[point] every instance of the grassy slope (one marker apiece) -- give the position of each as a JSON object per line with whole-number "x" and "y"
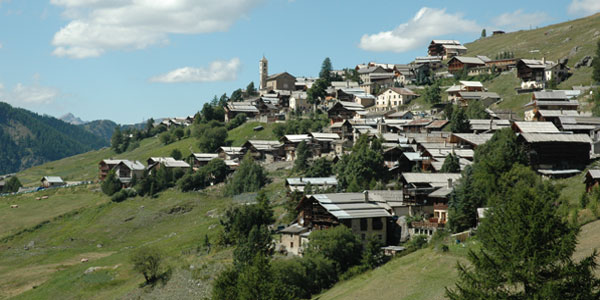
{"x": 71, "y": 223}
{"x": 426, "y": 273}
{"x": 85, "y": 166}
{"x": 553, "y": 42}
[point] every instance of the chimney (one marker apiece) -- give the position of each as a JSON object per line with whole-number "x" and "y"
{"x": 366, "y": 193}
{"x": 543, "y": 60}
{"x": 449, "y": 183}
{"x": 300, "y": 179}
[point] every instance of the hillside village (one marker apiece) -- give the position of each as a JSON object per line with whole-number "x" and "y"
{"x": 424, "y": 123}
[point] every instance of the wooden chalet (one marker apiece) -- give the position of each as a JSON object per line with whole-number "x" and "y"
{"x": 459, "y": 63}
{"x": 233, "y": 109}
{"x": 357, "y": 211}
{"x": 556, "y": 151}
{"x": 231, "y": 153}
{"x": 446, "y": 48}
{"x": 265, "y": 150}
{"x": 51, "y": 181}
{"x": 290, "y": 144}
{"x": 417, "y": 186}
{"x": 488, "y": 126}
{"x": 343, "y": 129}
{"x": 155, "y": 163}
{"x": 324, "y": 142}
{"x": 198, "y": 160}
{"x": 343, "y": 110}
{"x": 592, "y": 179}
{"x": 317, "y": 183}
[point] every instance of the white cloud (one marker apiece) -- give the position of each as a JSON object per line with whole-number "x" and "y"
{"x": 584, "y": 7}
{"x": 219, "y": 70}
{"x": 417, "y": 32}
{"x": 98, "y": 26}
{"x": 520, "y": 20}
{"x": 26, "y": 96}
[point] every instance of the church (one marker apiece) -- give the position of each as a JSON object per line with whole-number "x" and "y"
{"x": 277, "y": 82}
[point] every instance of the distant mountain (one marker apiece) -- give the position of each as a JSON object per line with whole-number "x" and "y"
{"x": 71, "y": 119}
{"x": 101, "y": 128}
{"x": 28, "y": 139}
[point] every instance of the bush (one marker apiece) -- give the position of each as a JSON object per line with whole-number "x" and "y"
{"x": 212, "y": 138}
{"x": 111, "y": 184}
{"x": 338, "y": 244}
{"x": 12, "y": 185}
{"x": 165, "y": 138}
{"x": 416, "y": 242}
{"x": 147, "y": 261}
{"x": 176, "y": 154}
{"x": 249, "y": 177}
{"x": 237, "y": 121}
{"x": 122, "y": 195}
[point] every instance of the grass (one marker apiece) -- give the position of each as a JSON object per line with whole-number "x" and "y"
{"x": 53, "y": 264}
{"x": 240, "y": 135}
{"x": 424, "y": 274}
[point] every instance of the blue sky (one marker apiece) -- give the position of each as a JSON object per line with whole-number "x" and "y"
{"x": 128, "y": 60}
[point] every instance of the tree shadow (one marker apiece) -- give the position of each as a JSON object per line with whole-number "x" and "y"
{"x": 160, "y": 280}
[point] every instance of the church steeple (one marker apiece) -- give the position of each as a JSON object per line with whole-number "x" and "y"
{"x": 264, "y": 72}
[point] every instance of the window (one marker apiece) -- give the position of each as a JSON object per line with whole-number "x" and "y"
{"x": 347, "y": 223}
{"x": 380, "y": 237}
{"x": 291, "y": 244}
{"x": 377, "y": 224}
{"x": 363, "y": 224}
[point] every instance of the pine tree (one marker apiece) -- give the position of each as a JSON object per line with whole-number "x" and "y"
{"x": 250, "y": 89}
{"x": 526, "y": 248}
{"x": 459, "y": 123}
{"x": 451, "y": 164}
{"x": 302, "y": 154}
{"x": 116, "y": 140}
{"x": 326, "y": 69}
{"x": 483, "y": 33}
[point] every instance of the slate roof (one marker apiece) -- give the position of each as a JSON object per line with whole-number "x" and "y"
{"x": 536, "y": 127}
{"x": 562, "y": 138}
{"x": 312, "y": 180}
{"x": 550, "y": 95}
{"x": 53, "y": 179}
{"x": 430, "y": 177}
{"x": 473, "y": 138}
{"x": 350, "y": 206}
{"x": 469, "y": 60}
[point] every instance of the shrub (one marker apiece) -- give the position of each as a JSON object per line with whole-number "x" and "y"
{"x": 111, "y": 184}
{"x": 147, "y": 261}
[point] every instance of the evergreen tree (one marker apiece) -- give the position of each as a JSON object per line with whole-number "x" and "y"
{"x": 302, "y": 154}
{"x": 338, "y": 244}
{"x": 212, "y": 138}
{"x": 364, "y": 164}
{"x": 250, "y": 89}
{"x": 526, "y": 248}
{"x": 318, "y": 91}
{"x": 596, "y": 64}
{"x": 459, "y": 123}
{"x": 475, "y": 110}
{"x": 433, "y": 94}
{"x": 11, "y": 185}
{"x": 149, "y": 126}
{"x": 176, "y": 154}
{"x": 237, "y": 95}
{"x": 116, "y": 140}
{"x": 111, "y": 184}
{"x": 451, "y": 164}
{"x": 320, "y": 167}
{"x": 249, "y": 177}
{"x": 326, "y": 69}
{"x": 483, "y": 33}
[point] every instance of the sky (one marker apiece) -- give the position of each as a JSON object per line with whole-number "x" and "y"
{"x": 129, "y": 60}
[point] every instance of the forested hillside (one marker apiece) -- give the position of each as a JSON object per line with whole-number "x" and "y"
{"x": 29, "y": 139}
{"x": 101, "y": 128}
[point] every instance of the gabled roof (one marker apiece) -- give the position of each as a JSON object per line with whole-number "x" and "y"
{"x": 454, "y": 47}
{"x": 402, "y": 91}
{"x": 205, "y": 156}
{"x": 536, "y": 127}
{"x": 231, "y": 150}
{"x": 561, "y": 138}
{"x": 471, "y": 83}
{"x": 312, "y": 180}
{"x": 349, "y": 105}
{"x": 52, "y": 179}
{"x": 478, "y": 95}
{"x": 446, "y": 42}
{"x": 170, "y": 162}
{"x": 469, "y": 60}
{"x": 264, "y": 145}
{"x": 593, "y": 173}
{"x": 350, "y": 206}
{"x": 473, "y": 138}
{"x": 296, "y": 138}
{"x": 274, "y": 76}
{"x": 242, "y": 107}
{"x": 133, "y": 165}
{"x": 558, "y": 113}
{"x": 325, "y": 136}
{"x": 437, "y": 124}
{"x": 431, "y": 178}
{"x": 550, "y": 95}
